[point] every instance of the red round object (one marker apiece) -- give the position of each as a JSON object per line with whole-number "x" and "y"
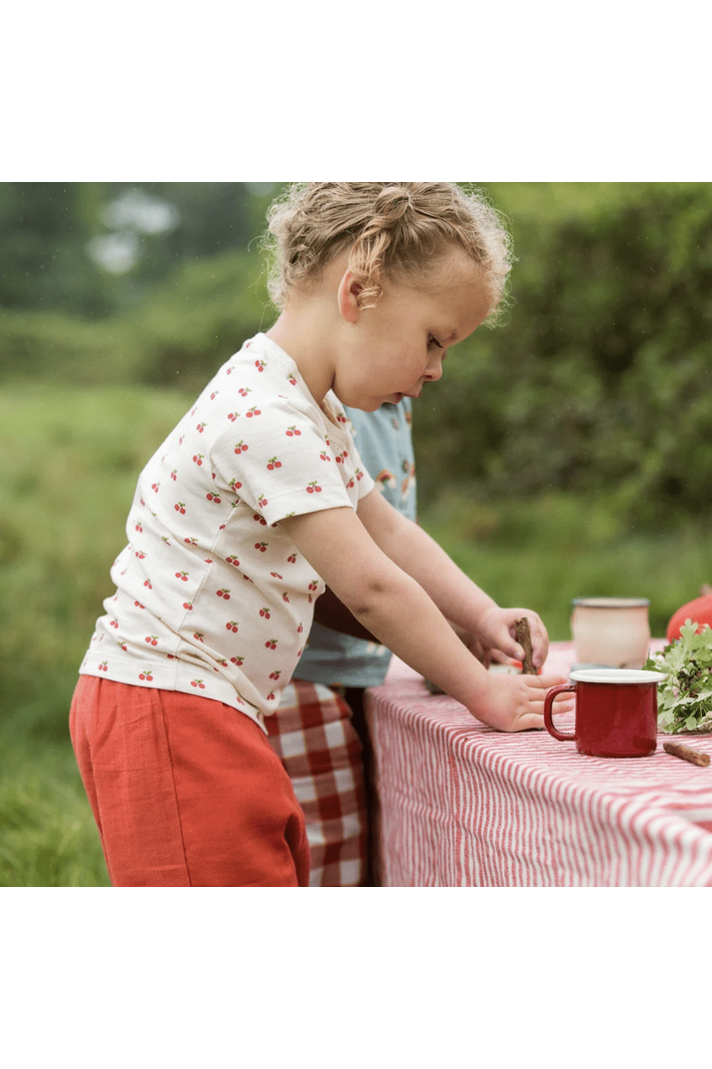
{"x": 699, "y": 611}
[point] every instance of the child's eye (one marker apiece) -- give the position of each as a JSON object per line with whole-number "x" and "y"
{"x": 432, "y": 340}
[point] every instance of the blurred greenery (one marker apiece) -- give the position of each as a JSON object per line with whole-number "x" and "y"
{"x": 564, "y": 453}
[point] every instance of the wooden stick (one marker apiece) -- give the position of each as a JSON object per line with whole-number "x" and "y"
{"x": 524, "y": 639}
{"x": 686, "y": 753}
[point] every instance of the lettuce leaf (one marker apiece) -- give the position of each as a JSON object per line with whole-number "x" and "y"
{"x": 685, "y": 695}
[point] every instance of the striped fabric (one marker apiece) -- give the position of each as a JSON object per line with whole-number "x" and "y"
{"x": 311, "y": 733}
{"x": 464, "y": 805}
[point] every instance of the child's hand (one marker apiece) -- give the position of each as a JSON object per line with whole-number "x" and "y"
{"x": 516, "y": 703}
{"x": 498, "y": 632}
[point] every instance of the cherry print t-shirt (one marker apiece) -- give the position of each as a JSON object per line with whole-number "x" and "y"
{"x": 212, "y": 596}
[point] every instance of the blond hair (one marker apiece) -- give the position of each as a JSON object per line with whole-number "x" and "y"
{"x": 394, "y": 230}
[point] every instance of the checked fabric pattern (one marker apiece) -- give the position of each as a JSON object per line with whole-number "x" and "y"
{"x": 311, "y": 733}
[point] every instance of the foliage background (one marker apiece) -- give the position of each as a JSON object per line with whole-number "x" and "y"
{"x": 566, "y": 452}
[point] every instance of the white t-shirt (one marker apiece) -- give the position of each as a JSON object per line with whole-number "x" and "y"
{"x": 212, "y": 595}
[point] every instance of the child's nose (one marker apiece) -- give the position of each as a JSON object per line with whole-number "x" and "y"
{"x": 434, "y": 370}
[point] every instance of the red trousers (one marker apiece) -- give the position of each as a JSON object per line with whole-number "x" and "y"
{"x": 186, "y": 791}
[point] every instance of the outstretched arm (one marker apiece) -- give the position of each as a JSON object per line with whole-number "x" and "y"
{"x": 393, "y": 606}
{"x": 457, "y": 597}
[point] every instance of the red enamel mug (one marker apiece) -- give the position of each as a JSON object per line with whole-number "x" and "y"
{"x": 616, "y": 711}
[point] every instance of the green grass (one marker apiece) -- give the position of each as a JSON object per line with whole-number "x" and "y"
{"x": 49, "y": 838}
{"x": 69, "y": 459}
{"x": 68, "y": 465}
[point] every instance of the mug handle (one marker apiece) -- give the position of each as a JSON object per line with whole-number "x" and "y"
{"x": 548, "y": 719}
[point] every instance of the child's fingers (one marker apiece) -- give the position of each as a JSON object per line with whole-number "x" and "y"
{"x": 539, "y": 685}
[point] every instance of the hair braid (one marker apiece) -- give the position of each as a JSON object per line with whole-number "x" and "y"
{"x": 391, "y": 230}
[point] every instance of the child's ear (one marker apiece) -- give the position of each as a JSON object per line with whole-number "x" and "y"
{"x": 348, "y": 297}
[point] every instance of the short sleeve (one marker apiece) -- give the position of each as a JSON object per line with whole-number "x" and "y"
{"x": 281, "y": 462}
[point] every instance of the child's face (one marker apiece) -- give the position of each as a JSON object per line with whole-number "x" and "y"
{"x": 392, "y": 350}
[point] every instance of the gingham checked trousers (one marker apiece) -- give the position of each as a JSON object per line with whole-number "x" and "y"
{"x": 313, "y": 736}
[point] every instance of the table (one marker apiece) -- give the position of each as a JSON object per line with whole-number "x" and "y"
{"x": 462, "y": 805}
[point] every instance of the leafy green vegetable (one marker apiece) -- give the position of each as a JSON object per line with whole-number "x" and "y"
{"x": 685, "y": 696}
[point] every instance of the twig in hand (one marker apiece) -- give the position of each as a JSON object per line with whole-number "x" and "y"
{"x": 686, "y": 753}
{"x": 524, "y": 639}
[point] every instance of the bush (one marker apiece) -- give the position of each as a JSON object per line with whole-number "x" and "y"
{"x": 178, "y": 336}
{"x": 602, "y": 377}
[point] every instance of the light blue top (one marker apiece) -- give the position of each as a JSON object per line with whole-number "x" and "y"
{"x": 383, "y": 439}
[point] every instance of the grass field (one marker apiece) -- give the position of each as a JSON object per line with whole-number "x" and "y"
{"x": 69, "y": 462}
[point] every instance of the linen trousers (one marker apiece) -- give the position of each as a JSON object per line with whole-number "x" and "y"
{"x": 185, "y": 791}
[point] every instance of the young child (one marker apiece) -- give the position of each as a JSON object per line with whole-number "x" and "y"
{"x": 257, "y": 501}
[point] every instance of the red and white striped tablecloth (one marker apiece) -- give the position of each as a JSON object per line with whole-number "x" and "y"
{"x": 464, "y": 805}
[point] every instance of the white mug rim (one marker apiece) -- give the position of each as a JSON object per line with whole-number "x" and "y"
{"x": 616, "y": 675}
